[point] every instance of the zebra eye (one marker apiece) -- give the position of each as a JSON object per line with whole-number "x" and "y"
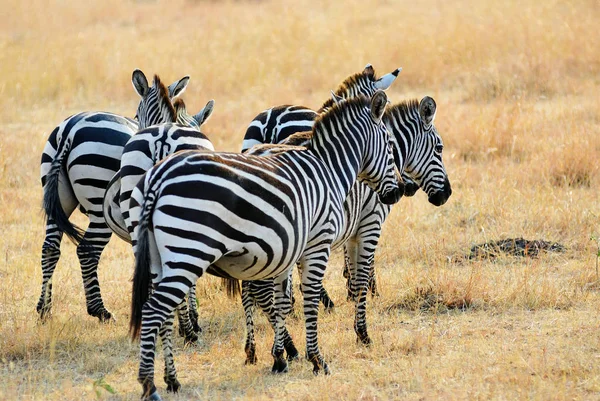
{"x": 439, "y": 149}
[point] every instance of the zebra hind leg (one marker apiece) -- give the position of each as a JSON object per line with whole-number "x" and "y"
{"x": 186, "y": 328}
{"x": 248, "y": 303}
{"x": 50, "y": 256}
{"x": 193, "y": 309}
{"x": 89, "y": 250}
{"x": 166, "y": 336}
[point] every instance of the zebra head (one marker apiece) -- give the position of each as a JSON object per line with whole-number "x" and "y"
{"x": 418, "y": 147}
{"x": 193, "y": 121}
{"x": 155, "y": 105}
{"x": 362, "y": 83}
{"x": 378, "y": 168}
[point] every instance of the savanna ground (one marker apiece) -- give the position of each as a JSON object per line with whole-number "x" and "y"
{"x": 517, "y": 89}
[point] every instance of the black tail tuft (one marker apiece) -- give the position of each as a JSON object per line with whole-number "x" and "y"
{"x": 232, "y": 287}
{"x": 141, "y": 282}
{"x": 51, "y": 202}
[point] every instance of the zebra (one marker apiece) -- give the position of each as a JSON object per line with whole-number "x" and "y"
{"x": 146, "y": 148}
{"x": 276, "y": 124}
{"x": 78, "y": 160}
{"x": 418, "y": 151}
{"x": 251, "y": 218}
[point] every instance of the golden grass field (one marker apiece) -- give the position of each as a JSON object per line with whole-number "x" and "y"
{"x": 516, "y": 84}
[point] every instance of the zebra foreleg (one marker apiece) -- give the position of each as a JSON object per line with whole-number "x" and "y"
{"x": 361, "y": 288}
{"x": 89, "y": 250}
{"x": 50, "y": 256}
{"x": 313, "y": 270}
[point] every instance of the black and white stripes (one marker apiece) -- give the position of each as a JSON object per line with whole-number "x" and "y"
{"x": 252, "y": 217}
{"x": 80, "y": 157}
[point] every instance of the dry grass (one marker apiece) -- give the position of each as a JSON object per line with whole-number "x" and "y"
{"x": 516, "y": 85}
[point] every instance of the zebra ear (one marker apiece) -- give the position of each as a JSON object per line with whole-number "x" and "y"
{"x": 140, "y": 83}
{"x": 178, "y": 87}
{"x": 378, "y": 103}
{"x": 336, "y": 99}
{"x": 427, "y": 109}
{"x": 388, "y": 79}
{"x": 369, "y": 70}
{"x": 205, "y": 113}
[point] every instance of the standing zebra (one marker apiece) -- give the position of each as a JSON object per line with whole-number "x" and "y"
{"x": 251, "y": 218}
{"x": 80, "y": 157}
{"x": 146, "y": 148}
{"x": 418, "y": 151}
{"x": 276, "y": 124}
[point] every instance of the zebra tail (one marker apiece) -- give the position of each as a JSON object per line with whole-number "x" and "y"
{"x": 141, "y": 275}
{"x": 51, "y": 202}
{"x": 232, "y": 286}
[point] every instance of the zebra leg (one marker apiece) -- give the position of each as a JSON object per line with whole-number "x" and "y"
{"x": 193, "y": 309}
{"x": 267, "y": 308}
{"x": 372, "y": 281}
{"x": 186, "y": 328}
{"x": 351, "y": 250}
{"x": 281, "y": 309}
{"x": 248, "y": 304}
{"x": 313, "y": 270}
{"x": 366, "y": 256}
{"x": 50, "y": 256}
{"x": 326, "y": 301}
{"x": 346, "y": 272}
{"x": 89, "y": 250}
{"x": 157, "y": 311}
{"x": 166, "y": 337}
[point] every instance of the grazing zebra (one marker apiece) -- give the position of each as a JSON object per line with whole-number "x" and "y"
{"x": 418, "y": 151}
{"x": 80, "y": 157}
{"x": 251, "y": 218}
{"x": 146, "y": 148}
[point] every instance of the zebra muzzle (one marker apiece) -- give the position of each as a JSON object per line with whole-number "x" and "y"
{"x": 392, "y": 195}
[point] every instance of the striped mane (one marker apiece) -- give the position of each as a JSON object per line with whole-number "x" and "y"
{"x": 331, "y": 118}
{"x": 163, "y": 97}
{"x": 352, "y": 81}
{"x": 406, "y": 109}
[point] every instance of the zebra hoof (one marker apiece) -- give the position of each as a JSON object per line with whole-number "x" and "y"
{"x": 292, "y": 354}
{"x": 45, "y": 315}
{"x": 251, "y": 358}
{"x": 318, "y": 365}
{"x": 105, "y": 316}
{"x": 173, "y": 386}
{"x": 154, "y": 397}
{"x": 190, "y": 339}
{"x": 280, "y": 365}
{"x": 364, "y": 339}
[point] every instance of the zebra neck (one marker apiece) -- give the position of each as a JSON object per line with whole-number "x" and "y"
{"x": 403, "y": 139}
{"x": 342, "y": 159}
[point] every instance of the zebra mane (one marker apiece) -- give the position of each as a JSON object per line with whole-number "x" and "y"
{"x": 180, "y": 109}
{"x": 407, "y": 109}
{"x": 336, "y": 111}
{"x": 163, "y": 97}
{"x": 351, "y": 81}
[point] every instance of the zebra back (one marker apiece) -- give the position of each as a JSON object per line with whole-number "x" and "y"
{"x": 277, "y": 123}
